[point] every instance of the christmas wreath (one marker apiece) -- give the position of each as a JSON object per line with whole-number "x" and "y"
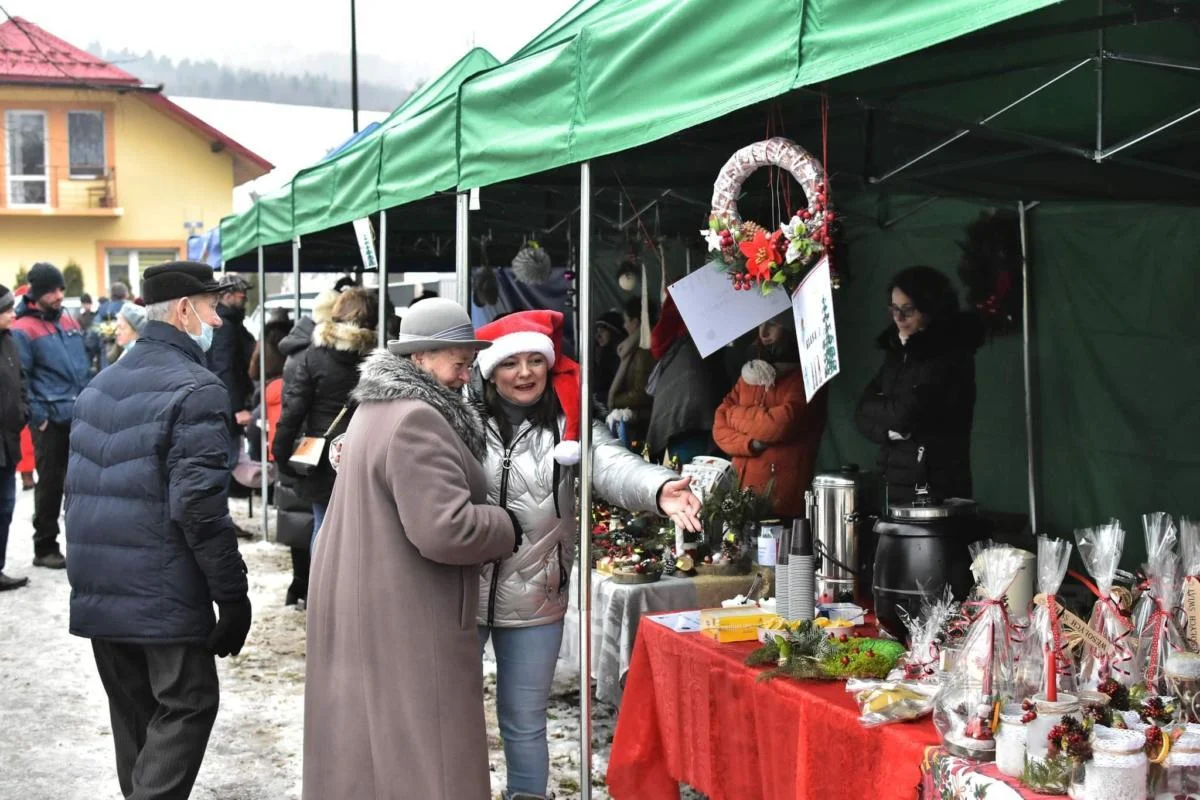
{"x": 752, "y": 256}
{"x": 991, "y": 269}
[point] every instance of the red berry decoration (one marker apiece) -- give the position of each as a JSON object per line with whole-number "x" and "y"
{"x": 845, "y": 661}
{"x": 843, "y": 638}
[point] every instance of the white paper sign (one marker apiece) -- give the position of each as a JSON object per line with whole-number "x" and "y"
{"x": 812, "y": 305}
{"x": 366, "y": 242}
{"x": 716, "y": 314}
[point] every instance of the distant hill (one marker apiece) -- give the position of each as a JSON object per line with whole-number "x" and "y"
{"x": 210, "y": 79}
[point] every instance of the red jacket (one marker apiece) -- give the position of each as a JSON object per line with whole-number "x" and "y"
{"x": 273, "y": 403}
{"x": 778, "y": 416}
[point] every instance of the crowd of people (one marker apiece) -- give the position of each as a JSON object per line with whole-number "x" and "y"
{"x": 438, "y": 515}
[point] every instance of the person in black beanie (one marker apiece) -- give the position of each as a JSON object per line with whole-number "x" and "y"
{"x": 151, "y": 541}
{"x": 14, "y": 412}
{"x": 55, "y": 362}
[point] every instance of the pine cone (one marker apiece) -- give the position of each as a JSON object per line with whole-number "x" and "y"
{"x": 751, "y": 229}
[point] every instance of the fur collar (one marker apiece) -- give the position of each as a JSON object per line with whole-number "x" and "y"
{"x": 344, "y": 336}
{"x": 387, "y": 377}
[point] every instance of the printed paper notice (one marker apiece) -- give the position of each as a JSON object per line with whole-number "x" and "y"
{"x": 716, "y": 314}
{"x": 366, "y": 242}
{"x": 812, "y": 306}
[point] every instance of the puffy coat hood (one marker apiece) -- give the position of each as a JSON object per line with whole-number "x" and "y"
{"x": 344, "y": 336}
{"x": 387, "y": 377}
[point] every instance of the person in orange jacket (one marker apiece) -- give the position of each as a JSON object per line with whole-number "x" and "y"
{"x": 765, "y": 424}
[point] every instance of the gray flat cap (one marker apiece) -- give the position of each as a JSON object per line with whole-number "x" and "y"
{"x": 435, "y": 324}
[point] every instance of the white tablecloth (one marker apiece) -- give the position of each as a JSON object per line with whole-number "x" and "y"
{"x": 616, "y": 611}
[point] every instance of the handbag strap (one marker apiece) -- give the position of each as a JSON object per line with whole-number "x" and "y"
{"x": 335, "y": 422}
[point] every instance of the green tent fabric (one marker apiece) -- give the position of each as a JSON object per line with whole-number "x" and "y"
{"x": 347, "y": 187}
{"x": 655, "y": 67}
{"x": 1117, "y": 352}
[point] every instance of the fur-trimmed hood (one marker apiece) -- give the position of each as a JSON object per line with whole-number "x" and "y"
{"x": 344, "y": 336}
{"x": 387, "y": 377}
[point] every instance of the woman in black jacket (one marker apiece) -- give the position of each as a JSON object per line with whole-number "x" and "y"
{"x": 317, "y": 383}
{"x": 920, "y": 405}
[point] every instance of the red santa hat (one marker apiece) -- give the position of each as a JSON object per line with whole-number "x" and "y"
{"x": 538, "y": 332}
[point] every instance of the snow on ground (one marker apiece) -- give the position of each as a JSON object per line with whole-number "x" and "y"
{"x": 55, "y": 738}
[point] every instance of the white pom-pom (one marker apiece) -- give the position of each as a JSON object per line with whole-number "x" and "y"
{"x": 758, "y": 373}
{"x": 567, "y": 453}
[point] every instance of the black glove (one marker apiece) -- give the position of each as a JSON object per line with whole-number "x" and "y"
{"x": 519, "y": 534}
{"x": 231, "y": 629}
{"x": 285, "y": 469}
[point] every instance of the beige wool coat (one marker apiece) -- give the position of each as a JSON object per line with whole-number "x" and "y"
{"x": 393, "y": 705}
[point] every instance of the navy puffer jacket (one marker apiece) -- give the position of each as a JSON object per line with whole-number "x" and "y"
{"x": 151, "y": 542}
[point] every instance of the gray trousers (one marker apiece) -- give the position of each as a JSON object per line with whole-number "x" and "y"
{"x": 163, "y": 702}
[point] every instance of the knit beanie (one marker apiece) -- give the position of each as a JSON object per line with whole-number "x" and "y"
{"x": 44, "y": 278}
{"x": 135, "y": 315}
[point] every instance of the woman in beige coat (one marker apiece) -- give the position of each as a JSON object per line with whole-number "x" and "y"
{"x": 394, "y": 690}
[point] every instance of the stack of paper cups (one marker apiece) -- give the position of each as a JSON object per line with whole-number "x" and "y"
{"x": 801, "y": 572}
{"x": 782, "y": 581}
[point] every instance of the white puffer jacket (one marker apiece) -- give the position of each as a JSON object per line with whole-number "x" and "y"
{"x": 530, "y": 586}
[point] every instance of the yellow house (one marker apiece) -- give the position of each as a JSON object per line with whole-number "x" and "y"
{"x": 100, "y": 169}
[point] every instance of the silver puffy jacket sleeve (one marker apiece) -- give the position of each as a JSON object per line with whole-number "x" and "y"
{"x": 622, "y": 477}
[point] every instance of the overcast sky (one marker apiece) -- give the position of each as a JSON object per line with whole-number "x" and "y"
{"x": 418, "y": 36}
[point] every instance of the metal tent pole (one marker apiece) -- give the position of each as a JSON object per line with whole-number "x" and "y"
{"x": 462, "y": 250}
{"x": 383, "y": 278}
{"x": 262, "y": 384}
{"x": 1028, "y": 364}
{"x": 585, "y": 484}
{"x": 296, "y": 278}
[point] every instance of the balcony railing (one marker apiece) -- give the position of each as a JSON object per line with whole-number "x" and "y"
{"x": 65, "y": 189}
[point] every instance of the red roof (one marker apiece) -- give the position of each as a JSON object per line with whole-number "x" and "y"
{"x": 28, "y": 54}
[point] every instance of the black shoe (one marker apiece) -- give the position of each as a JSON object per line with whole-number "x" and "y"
{"x": 7, "y": 583}
{"x": 241, "y": 532}
{"x": 53, "y": 560}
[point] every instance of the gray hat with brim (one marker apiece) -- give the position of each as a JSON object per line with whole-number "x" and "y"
{"x": 435, "y": 324}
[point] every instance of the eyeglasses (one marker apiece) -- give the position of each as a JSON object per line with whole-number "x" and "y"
{"x": 902, "y": 312}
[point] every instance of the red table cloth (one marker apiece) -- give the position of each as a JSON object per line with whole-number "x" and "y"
{"x": 693, "y": 712}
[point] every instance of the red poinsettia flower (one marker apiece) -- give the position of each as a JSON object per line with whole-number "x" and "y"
{"x": 760, "y": 253}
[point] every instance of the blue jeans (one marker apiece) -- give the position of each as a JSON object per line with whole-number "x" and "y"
{"x": 318, "y": 517}
{"x": 8, "y": 499}
{"x": 525, "y": 659}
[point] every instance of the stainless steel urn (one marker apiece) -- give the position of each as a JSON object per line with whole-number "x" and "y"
{"x": 842, "y": 508}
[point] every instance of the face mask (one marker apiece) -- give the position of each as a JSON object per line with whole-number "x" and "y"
{"x": 129, "y": 346}
{"x": 204, "y": 338}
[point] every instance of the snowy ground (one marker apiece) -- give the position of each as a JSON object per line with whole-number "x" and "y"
{"x": 55, "y": 739}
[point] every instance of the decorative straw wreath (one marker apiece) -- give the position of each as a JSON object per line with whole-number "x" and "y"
{"x": 753, "y": 257}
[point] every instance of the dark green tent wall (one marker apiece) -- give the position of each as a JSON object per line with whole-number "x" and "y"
{"x": 1116, "y": 360}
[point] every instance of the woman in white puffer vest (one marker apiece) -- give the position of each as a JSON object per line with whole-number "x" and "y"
{"x": 532, "y": 399}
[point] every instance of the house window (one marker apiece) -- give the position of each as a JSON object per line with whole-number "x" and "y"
{"x": 27, "y": 172}
{"x": 127, "y": 266}
{"x": 85, "y": 133}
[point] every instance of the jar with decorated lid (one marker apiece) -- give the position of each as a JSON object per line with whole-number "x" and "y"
{"x": 1117, "y": 769}
{"x": 1182, "y": 779}
{"x": 1182, "y": 670}
{"x": 1010, "y": 741}
{"x": 1046, "y": 771}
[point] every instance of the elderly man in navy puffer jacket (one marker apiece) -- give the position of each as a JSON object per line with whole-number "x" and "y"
{"x": 151, "y": 541}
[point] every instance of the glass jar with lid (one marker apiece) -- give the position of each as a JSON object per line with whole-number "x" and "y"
{"x": 1118, "y": 768}
{"x": 1043, "y": 773}
{"x": 1010, "y": 741}
{"x": 1182, "y": 777}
